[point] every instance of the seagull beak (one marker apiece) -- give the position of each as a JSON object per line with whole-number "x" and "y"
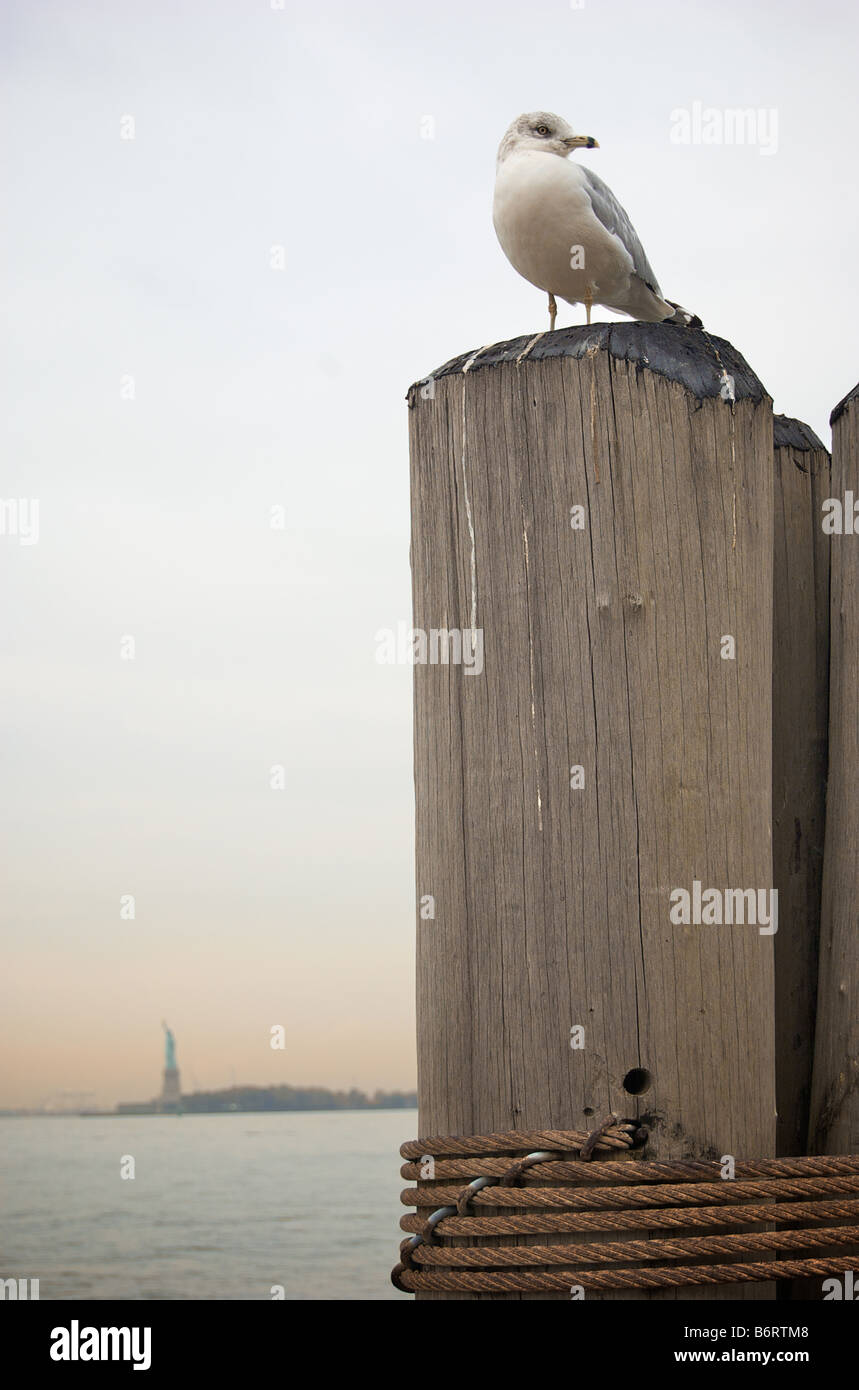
{"x": 574, "y": 142}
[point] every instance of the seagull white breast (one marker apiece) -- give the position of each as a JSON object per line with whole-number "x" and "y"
{"x": 544, "y": 209}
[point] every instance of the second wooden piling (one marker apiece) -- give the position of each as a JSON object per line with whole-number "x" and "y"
{"x": 800, "y": 740}
{"x": 835, "y": 1090}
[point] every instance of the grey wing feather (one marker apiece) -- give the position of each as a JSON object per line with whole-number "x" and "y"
{"x": 611, "y": 214}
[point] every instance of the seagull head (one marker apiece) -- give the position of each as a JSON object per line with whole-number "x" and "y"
{"x": 544, "y": 131}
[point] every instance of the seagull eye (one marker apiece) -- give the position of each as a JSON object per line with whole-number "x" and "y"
{"x": 542, "y": 130}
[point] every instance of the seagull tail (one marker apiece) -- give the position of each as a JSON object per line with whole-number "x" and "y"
{"x": 682, "y": 316}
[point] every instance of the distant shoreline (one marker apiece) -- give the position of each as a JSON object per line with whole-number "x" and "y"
{"x": 164, "y": 1114}
{"x": 247, "y": 1100}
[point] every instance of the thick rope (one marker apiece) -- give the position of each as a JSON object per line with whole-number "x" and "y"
{"x": 517, "y": 1141}
{"x": 698, "y": 1170}
{"x": 656, "y": 1220}
{"x": 626, "y": 1198}
{"x": 523, "y": 1281}
{"x": 599, "y": 1197}
{"x": 505, "y": 1256}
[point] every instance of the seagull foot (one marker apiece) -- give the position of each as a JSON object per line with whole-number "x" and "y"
{"x": 553, "y": 312}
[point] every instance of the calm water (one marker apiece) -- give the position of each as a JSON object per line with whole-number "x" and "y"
{"x": 221, "y": 1206}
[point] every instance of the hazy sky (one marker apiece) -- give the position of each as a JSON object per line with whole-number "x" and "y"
{"x": 145, "y": 266}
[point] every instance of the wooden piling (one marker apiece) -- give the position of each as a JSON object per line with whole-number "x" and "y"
{"x": 611, "y": 751}
{"x": 835, "y": 1088}
{"x": 800, "y": 735}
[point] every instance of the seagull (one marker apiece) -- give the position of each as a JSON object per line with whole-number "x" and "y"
{"x": 563, "y": 229}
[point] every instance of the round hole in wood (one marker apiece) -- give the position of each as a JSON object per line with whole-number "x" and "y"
{"x": 637, "y": 1081}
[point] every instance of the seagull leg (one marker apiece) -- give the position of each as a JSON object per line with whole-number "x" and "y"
{"x": 589, "y": 302}
{"x": 553, "y": 312}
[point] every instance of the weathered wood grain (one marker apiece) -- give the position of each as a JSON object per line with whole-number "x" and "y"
{"x": 835, "y": 1087}
{"x": 800, "y": 736}
{"x": 602, "y": 649}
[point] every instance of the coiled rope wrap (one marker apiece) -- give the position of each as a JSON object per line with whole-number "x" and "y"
{"x": 542, "y": 1183}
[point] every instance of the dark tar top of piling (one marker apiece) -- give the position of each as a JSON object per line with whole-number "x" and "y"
{"x": 684, "y": 355}
{"x": 793, "y": 434}
{"x": 842, "y": 405}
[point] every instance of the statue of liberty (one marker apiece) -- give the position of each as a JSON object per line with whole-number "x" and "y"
{"x": 171, "y": 1094}
{"x": 169, "y": 1048}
